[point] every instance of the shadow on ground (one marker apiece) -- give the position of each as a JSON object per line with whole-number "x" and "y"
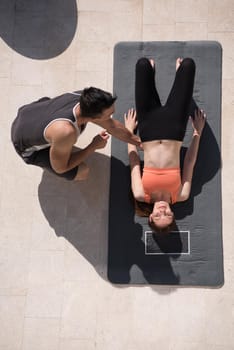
{"x": 78, "y": 211}
{"x": 38, "y": 29}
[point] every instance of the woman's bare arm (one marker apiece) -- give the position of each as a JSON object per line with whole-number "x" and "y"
{"x": 134, "y": 159}
{"x": 136, "y": 182}
{"x": 191, "y": 155}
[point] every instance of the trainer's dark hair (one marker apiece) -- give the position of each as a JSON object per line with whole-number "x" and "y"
{"x": 93, "y": 101}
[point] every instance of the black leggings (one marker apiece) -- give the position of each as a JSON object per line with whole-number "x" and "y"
{"x": 168, "y": 122}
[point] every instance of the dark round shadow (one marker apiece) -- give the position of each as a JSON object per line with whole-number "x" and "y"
{"x": 39, "y": 29}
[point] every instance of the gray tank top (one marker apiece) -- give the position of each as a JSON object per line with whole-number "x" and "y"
{"x": 28, "y": 129}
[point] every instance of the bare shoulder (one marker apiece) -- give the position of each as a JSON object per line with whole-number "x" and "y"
{"x": 60, "y": 131}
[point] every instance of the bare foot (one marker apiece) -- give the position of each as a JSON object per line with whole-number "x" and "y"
{"x": 152, "y": 62}
{"x": 178, "y": 62}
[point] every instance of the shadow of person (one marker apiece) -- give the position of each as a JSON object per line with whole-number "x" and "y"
{"x": 78, "y": 211}
{"x": 127, "y": 258}
{"x": 38, "y": 29}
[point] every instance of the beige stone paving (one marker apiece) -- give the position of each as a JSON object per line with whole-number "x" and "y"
{"x": 53, "y": 290}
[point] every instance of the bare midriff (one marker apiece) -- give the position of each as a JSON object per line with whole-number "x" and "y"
{"x": 162, "y": 154}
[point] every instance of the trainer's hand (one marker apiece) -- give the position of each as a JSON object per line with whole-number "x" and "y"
{"x": 198, "y": 122}
{"x": 100, "y": 140}
{"x": 130, "y": 120}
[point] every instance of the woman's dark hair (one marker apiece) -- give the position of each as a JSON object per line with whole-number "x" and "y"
{"x": 145, "y": 209}
{"x": 93, "y": 101}
{"x": 163, "y": 230}
{"x": 142, "y": 209}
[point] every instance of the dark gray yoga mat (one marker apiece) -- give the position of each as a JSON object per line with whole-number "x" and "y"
{"x": 193, "y": 255}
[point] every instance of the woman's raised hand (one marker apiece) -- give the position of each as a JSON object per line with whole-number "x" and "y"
{"x": 198, "y": 122}
{"x": 130, "y": 120}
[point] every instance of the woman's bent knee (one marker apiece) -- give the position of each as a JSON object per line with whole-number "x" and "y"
{"x": 188, "y": 63}
{"x": 142, "y": 62}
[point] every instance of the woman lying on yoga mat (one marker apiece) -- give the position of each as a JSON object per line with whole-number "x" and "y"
{"x": 162, "y": 129}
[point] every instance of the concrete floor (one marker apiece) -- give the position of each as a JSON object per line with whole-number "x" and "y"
{"x": 53, "y": 235}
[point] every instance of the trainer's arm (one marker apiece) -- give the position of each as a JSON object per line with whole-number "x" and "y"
{"x": 118, "y": 130}
{"x": 63, "y": 159}
{"x": 191, "y": 155}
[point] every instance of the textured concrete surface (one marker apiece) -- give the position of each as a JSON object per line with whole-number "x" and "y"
{"x": 53, "y": 235}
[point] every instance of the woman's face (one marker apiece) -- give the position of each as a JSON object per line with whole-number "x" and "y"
{"x": 162, "y": 215}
